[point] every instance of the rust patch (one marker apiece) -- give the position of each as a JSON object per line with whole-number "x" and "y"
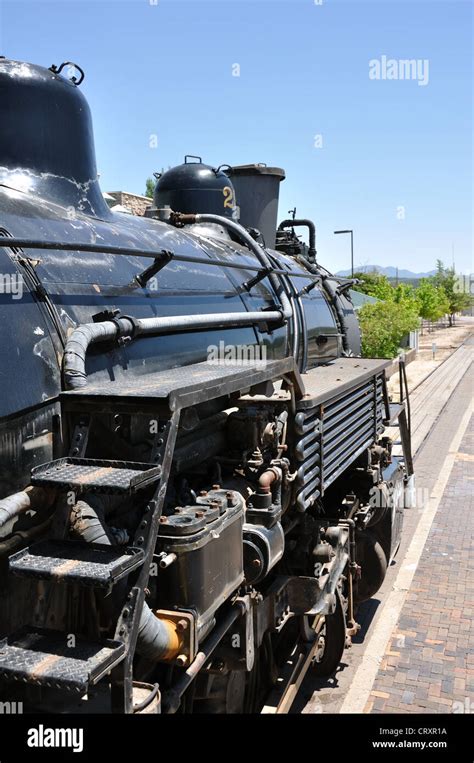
{"x": 97, "y": 474}
{"x": 63, "y": 569}
{"x": 44, "y": 665}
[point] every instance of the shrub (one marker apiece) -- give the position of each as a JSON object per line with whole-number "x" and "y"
{"x": 383, "y": 325}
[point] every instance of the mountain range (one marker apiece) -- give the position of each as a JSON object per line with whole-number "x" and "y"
{"x": 388, "y": 271}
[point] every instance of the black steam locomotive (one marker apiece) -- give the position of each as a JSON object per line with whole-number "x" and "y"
{"x": 194, "y": 475}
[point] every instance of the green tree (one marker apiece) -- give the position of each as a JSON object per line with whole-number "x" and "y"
{"x": 383, "y": 326}
{"x": 375, "y": 285}
{"x": 405, "y": 294}
{"x": 428, "y": 296}
{"x": 150, "y": 187}
{"x": 456, "y": 299}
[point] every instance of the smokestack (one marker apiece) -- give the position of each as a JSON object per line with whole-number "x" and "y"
{"x": 257, "y": 189}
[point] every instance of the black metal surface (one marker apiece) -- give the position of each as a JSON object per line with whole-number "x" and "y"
{"x": 205, "y": 550}
{"x": 195, "y": 187}
{"x": 85, "y": 474}
{"x": 43, "y": 657}
{"x": 44, "y": 115}
{"x": 326, "y": 382}
{"x": 257, "y": 189}
{"x": 187, "y": 385}
{"x": 88, "y": 564}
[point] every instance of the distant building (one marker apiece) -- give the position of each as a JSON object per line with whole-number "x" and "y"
{"x": 131, "y": 203}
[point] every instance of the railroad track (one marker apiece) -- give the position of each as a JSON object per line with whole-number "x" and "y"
{"x": 429, "y": 397}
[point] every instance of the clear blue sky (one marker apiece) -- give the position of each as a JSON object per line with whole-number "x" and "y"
{"x": 166, "y": 70}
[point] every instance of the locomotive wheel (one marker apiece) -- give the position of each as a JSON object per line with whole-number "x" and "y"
{"x": 220, "y": 693}
{"x": 373, "y": 562}
{"x": 331, "y": 634}
{"x": 227, "y": 692}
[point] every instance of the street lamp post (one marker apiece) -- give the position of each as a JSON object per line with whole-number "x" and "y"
{"x": 352, "y": 248}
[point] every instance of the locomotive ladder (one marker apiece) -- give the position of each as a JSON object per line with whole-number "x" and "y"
{"x": 43, "y": 657}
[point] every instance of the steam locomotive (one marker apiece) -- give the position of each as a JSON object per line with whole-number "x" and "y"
{"x": 195, "y": 475}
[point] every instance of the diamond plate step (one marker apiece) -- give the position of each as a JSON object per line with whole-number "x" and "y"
{"x": 43, "y": 657}
{"x": 92, "y": 475}
{"x": 89, "y": 564}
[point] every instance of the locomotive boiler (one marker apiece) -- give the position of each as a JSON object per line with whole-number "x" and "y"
{"x": 194, "y": 471}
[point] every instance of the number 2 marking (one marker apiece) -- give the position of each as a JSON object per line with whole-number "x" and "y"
{"x": 228, "y": 197}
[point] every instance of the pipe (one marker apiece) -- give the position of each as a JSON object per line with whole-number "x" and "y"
{"x": 158, "y": 639}
{"x": 299, "y": 222}
{"x": 148, "y": 700}
{"x": 267, "y": 478}
{"x": 304, "y": 360}
{"x": 325, "y": 276}
{"x": 32, "y": 498}
{"x": 265, "y": 261}
{"x": 340, "y": 315}
{"x": 90, "y": 333}
{"x": 87, "y": 522}
{"x": 77, "y": 345}
{"x": 23, "y": 538}
{"x": 298, "y": 339}
{"x": 257, "y": 250}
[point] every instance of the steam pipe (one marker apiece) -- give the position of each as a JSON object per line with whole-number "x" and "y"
{"x": 89, "y": 333}
{"x": 340, "y": 315}
{"x": 325, "y": 277}
{"x": 303, "y": 222}
{"x": 33, "y": 498}
{"x": 23, "y": 538}
{"x": 158, "y": 639}
{"x": 242, "y": 234}
{"x": 77, "y": 345}
{"x": 257, "y": 250}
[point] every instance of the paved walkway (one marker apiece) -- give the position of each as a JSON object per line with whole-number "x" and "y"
{"x": 428, "y": 666}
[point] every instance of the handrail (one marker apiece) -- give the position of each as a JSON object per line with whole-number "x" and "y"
{"x": 24, "y": 243}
